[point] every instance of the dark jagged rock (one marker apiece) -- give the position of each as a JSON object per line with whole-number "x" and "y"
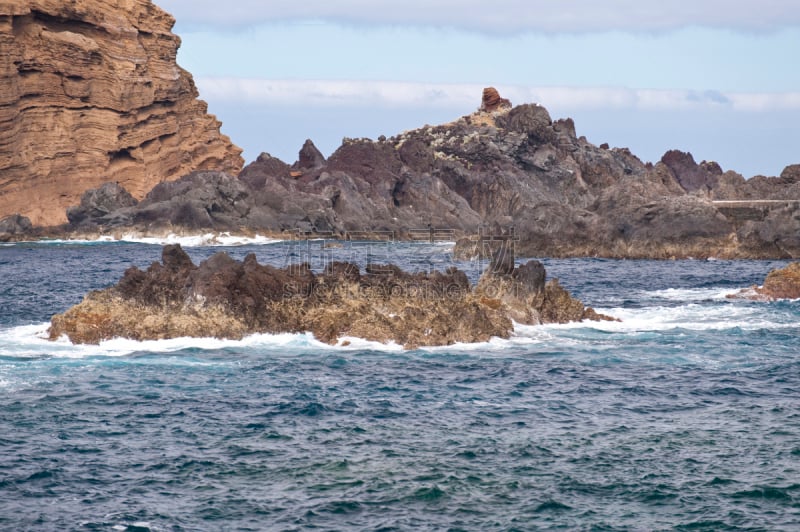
{"x": 200, "y": 200}
{"x": 689, "y": 174}
{"x": 310, "y": 157}
{"x": 229, "y": 299}
{"x": 531, "y": 120}
{"x": 791, "y": 174}
{"x": 102, "y": 206}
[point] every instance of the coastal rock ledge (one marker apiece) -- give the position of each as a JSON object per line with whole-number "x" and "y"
{"x": 225, "y": 298}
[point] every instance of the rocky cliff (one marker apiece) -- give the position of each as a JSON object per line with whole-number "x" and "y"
{"x": 90, "y": 92}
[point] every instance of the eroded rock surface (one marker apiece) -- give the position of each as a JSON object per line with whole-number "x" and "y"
{"x": 229, "y": 299}
{"x": 90, "y": 92}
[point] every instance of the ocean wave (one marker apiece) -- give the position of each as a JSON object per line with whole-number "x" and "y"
{"x": 691, "y": 316}
{"x": 31, "y": 341}
{"x": 689, "y": 294}
{"x": 203, "y": 240}
{"x": 706, "y": 310}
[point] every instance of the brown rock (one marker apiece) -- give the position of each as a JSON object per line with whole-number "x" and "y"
{"x": 526, "y": 298}
{"x": 492, "y": 101}
{"x": 90, "y": 92}
{"x": 783, "y": 283}
{"x": 225, "y": 298}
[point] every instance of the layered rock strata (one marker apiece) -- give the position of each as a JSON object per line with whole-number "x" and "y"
{"x": 90, "y": 92}
{"x": 229, "y": 299}
{"x": 492, "y": 101}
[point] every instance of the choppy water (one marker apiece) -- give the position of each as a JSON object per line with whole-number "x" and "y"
{"x": 685, "y": 416}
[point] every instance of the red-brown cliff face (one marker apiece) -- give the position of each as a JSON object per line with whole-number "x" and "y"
{"x": 90, "y": 92}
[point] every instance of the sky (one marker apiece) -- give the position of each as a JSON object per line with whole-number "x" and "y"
{"x": 717, "y": 78}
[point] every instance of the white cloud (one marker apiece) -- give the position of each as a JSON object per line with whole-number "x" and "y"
{"x": 465, "y": 97}
{"x": 500, "y": 16}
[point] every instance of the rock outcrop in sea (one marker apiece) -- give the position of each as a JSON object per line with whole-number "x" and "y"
{"x": 90, "y": 92}
{"x": 782, "y": 283}
{"x": 225, "y": 298}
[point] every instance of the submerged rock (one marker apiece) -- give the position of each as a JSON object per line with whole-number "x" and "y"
{"x": 783, "y": 283}
{"x": 226, "y": 298}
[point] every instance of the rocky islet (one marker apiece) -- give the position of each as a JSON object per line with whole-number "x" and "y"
{"x": 226, "y": 298}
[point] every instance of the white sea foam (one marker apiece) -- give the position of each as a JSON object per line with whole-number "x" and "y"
{"x": 203, "y": 240}
{"x": 31, "y": 341}
{"x": 692, "y": 316}
{"x": 690, "y": 294}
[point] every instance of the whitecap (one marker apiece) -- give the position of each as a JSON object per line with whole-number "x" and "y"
{"x": 689, "y": 294}
{"x": 31, "y": 341}
{"x": 692, "y": 316}
{"x": 224, "y": 239}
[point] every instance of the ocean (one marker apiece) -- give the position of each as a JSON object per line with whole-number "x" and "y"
{"x": 683, "y": 416}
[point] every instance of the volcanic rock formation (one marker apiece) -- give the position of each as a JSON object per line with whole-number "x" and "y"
{"x": 90, "y": 92}
{"x": 229, "y": 299}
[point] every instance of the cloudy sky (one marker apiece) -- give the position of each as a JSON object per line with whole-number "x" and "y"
{"x": 718, "y": 78}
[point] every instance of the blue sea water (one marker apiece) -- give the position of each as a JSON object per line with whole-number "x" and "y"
{"x": 684, "y": 416}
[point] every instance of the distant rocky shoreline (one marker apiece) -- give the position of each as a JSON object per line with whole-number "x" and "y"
{"x": 225, "y": 298}
{"x": 501, "y": 170}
